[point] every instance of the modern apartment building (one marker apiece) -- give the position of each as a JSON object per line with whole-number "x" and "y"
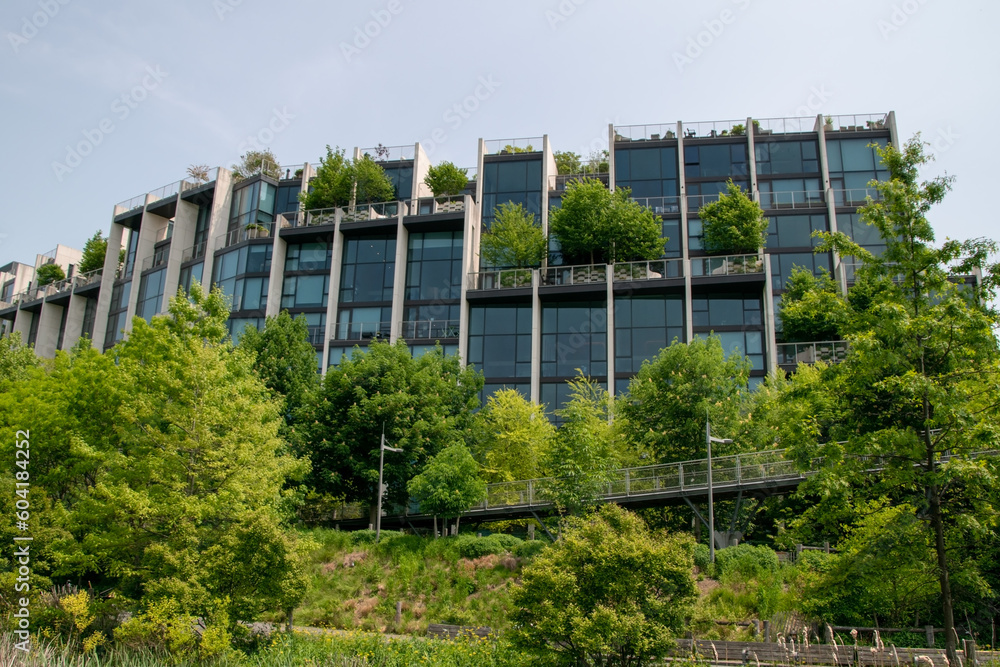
{"x": 411, "y": 269}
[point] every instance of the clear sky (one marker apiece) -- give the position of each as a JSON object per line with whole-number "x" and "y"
{"x": 105, "y": 100}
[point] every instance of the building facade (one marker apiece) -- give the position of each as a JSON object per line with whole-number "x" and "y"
{"x": 411, "y": 269}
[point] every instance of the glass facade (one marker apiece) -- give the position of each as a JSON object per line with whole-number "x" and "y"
{"x": 794, "y": 231}
{"x": 434, "y": 266}
{"x": 787, "y": 157}
{"x": 368, "y": 269}
{"x": 782, "y": 264}
{"x": 574, "y": 339}
{"x": 190, "y": 274}
{"x": 852, "y": 165}
{"x": 649, "y": 172}
{"x": 644, "y": 325}
{"x": 401, "y": 177}
{"x": 518, "y": 181}
{"x": 500, "y": 341}
{"x": 253, "y": 204}
{"x": 151, "y": 294}
{"x": 234, "y": 272}
{"x": 314, "y": 256}
{"x": 118, "y": 314}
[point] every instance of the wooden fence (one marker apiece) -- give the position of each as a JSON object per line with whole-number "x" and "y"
{"x": 793, "y": 653}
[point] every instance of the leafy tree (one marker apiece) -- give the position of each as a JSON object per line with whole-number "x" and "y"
{"x": 284, "y": 358}
{"x": 513, "y": 436}
{"x": 735, "y": 223}
{"x": 425, "y": 404}
{"x": 598, "y": 162}
{"x": 514, "y": 239}
{"x": 257, "y": 162}
{"x": 449, "y": 484}
{"x": 49, "y": 273}
{"x": 567, "y": 162}
{"x": 585, "y": 450}
{"x": 811, "y": 307}
{"x": 16, "y": 359}
{"x": 672, "y": 395}
{"x": 94, "y": 251}
{"x": 446, "y": 179}
{"x": 604, "y": 226}
{"x": 198, "y": 172}
{"x": 340, "y": 181}
{"x": 610, "y": 592}
{"x": 921, "y": 382}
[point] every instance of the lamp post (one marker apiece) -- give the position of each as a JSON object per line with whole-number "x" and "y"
{"x": 711, "y": 500}
{"x": 381, "y": 460}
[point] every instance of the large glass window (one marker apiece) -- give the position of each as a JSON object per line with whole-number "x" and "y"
{"x": 401, "y": 177}
{"x": 794, "y": 231}
{"x": 434, "y": 266}
{"x": 649, "y": 172}
{"x": 287, "y": 199}
{"x": 500, "y": 340}
{"x": 363, "y": 323}
{"x": 715, "y": 160}
{"x": 748, "y": 343}
{"x": 368, "y": 270}
{"x": 253, "y": 204}
{"x": 189, "y": 274}
{"x": 89, "y": 317}
{"x": 555, "y": 396}
{"x": 644, "y": 325}
{"x": 720, "y": 310}
{"x": 517, "y": 181}
{"x": 118, "y": 313}
{"x": 852, "y": 165}
{"x": 787, "y": 157}
{"x": 790, "y": 192}
{"x": 150, "y": 294}
{"x": 249, "y": 259}
{"x": 782, "y": 264}
{"x": 436, "y": 320}
{"x": 574, "y": 339}
{"x": 305, "y": 291}
{"x": 309, "y": 256}
{"x": 860, "y": 232}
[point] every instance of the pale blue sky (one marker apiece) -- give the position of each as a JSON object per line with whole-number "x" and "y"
{"x": 151, "y": 88}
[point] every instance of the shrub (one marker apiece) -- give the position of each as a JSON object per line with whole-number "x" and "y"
{"x": 745, "y": 559}
{"x": 529, "y": 549}
{"x": 366, "y": 536}
{"x": 701, "y": 557}
{"x": 476, "y": 547}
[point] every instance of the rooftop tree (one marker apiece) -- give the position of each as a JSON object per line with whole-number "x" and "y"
{"x": 514, "y": 239}
{"x": 446, "y": 179}
{"x": 47, "y": 274}
{"x": 597, "y": 225}
{"x": 340, "y": 181}
{"x": 94, "y": 251}
{"x": 257, "y": 162}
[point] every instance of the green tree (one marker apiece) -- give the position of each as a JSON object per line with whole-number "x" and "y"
{"x": 567, "y": 162}
{"x": 514, "y": 239}
{"x": 609, "y": 592}
{"x": 425, "y": 404}
{"x": 734, "y": 224}
{"x": 340, "y": 181}
{"x": 921, "y": 382}
{"x": 94, "y": 251}
{"x": 671, "y": 396}
{"x": 513, "y": 436}
{"x": 596, "y": 225}
{"x": 811, "y": 307}
{"x": 284, "y": 359}
{"x": 449, "y": 484}
{"x": 446, "y": 179}
{"x": 257, "y": 162}
{"x": 16, "y": 359}
{"x": 49, "y": 273}
{"x": 585, "y": 451}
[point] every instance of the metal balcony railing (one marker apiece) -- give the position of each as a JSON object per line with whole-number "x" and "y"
{"x": 654, "y": 132}
{"x": 660, "y": 205}
{"x": 432, "y": 205}
{"x": 651, "y": 270}
{"x": 727, "y": 265}
{"x": 430, "y": 329}
{"x": 500, "y": 279}
{"x": 792, "y": 199}
{"x": 362, "y": 330}
{"x": 158, "y": 258}
{"x": 197, "y": 251}
{"x": 511, "y": 146}
{"x": 562, "y": 180}
{"x": 855, "y": 196}
{"x": 373, "y": 211}
{"x": 830, "y": 351}
{"x": 857, "y": 122}
{"x": 256, "y": 231}
{"x": 382, "y": 153}
{"x": 585, "y": 274}
{"x": 88, "y": 278}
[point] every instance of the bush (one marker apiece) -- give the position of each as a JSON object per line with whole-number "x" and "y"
{"x": 746, "y": 560}
{"x": 366, "y": 536}
{"x": 476, "y": 547}
{"x": 701, "y": 557}
{"x": 529, "y": 549}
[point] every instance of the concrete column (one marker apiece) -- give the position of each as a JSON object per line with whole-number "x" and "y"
{"x": 218, "y": 221}
{"x": 770, "y": 334}
{"x": 752, "y": 159}
{"x": 74, "y": 321}
{"x": 115, "y": 236}
{"x": 611, "y": 156}
{"x": 549, "y": 172}
{"x": 610, "y": 296}
{"x": 421, "y": 163}
{"x": 685, "y": 241}
{"x": 831, "y": 208}
{"x": 48, "y": 330}
{"x": 399, "y": 280}
{"x": 185, "y": 221}
{"x": 279, "y": 250}
{"x": 336, "y": 263}
{"x": 470, "y": 262}
{"x": 22, "y": 324}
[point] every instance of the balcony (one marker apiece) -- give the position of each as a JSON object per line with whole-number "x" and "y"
{"x": 799, "y": 125}
{"x": 382, "y": 153}
{"x": 562, "y": 180}
{"x": 88, "y": 278}
{"x": 661, "y": 205}
{"x": 727, "y": 265}
{"x": 430, "y": 329}
{"x": 316, "y": 334}
{"x": 586, "y": 274}
{"x": 500, "y": 279}
{"x": 130, "y": 204}
{"x": 857, "y": 122}
{"x": 512, "y": 146}
{"x": 362, "y": 330}
{"x": 652, "y": 270}
{"x": 855, "y": 197}
{"x": 158, "y": 258}
{"x": 793, "y": 354}
{"x": 375, "y": 211}
{"x": 715, "y": 128}
{"x": 254, "y": 231}
{"x": 792, "y": 199}
{"x": 197, "y": 251}
{"x": 434, "y": 205}
{"x": 655, "y": 132}
{"x": 191, "y": 183}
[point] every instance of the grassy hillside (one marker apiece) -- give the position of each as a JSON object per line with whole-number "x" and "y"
{"x": 464, "y": 580}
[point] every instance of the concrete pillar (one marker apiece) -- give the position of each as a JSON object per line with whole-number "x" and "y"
{"x": 336, "y": 263}
{"x": 74, "y": 321}
{"x": 399, "y": 279}
{"x": 48, "y": 329}
{"x": 185, "y": 221}
{"x": 470, "y": 262}
{"x": 536, "y": 338}
{"x": 115, "y": 237}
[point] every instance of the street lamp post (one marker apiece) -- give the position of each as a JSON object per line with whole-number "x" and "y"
{"x": 711, "y": 500}
{"x": 381, "y": 490}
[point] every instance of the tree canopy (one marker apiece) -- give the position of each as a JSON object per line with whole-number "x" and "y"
{"x": 449, "y": 484}
{"x": 512, "y": 437}
{"x": 284, "y": 358}
{"x": 734, "y": 223}
{"x": 597, "y": 225}
{"x": 94, "y": 251}
{"x": 47, "y": 274}
{"x": 425, "y": 404}
{"x": 446, "y": 179}
{"x": 339, "y": 181}
{"x": 812, "y": 308}
{"x": 514, "y": 239}
{"x": 608, "y": 592}
{"x": 257, "y": 162}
